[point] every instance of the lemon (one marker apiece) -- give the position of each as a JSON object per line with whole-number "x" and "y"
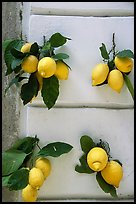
{"x": 116, "y": 80}
{"x": 45, "y": 166}
{"x": 112, "y": 173}
{"x": 46, "y": 67}
{"x": 62, "y": 70}
{"x": 97, "y": 158}
{"x": 99, "y": 73}
{"x": 40, "y": 79}
{"x": 26, "y": 47}
{"x": 36, "y": 178}
{"x": 124, "y": 64}
{"x": 30, "y": 64}
{"x": 29, "y": 194}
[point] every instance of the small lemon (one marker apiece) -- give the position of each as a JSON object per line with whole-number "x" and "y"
{"x": 124, "y": 64}
{"x": 116, "y": 80}
{"x": 45, "y": 166}
{"x": 30, "y": 64}
{"x": 26, "y": 47}
{"x": 46, "y": 67}
{"x": 40, "y": 79}
{"x": 36, "y": 178}
{"x": 112, "y": 173}
{"x": 29, "y": 194}
{"x": 99, "y": 73}
{"x": 62, "y": 70}
{"x": 97, "y": 158}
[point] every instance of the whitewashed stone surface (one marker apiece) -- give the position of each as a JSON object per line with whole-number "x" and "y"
{"x": 82, "y": 109}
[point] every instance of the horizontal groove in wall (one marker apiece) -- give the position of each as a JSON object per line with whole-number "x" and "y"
{"x": 85, "y": 13}
{"x": 85, "y": 105}
{"x": 86, "y": 200}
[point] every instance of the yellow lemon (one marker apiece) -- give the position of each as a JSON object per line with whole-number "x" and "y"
{"x": 99, "y": 73}
{"x": 124, "y": 64}
{"x": 29, "y": 194}
{"x": 45, "y": 166}
{"x": 46, "y": 67}
{"x": 40, "y": 79}
{"x": 97, "y": 158}
{"x": 36, "y": 178}
{"x": 26, "y": 47}
{"x": 116, "y": 80}
{"x": 30, "y": 64}
{"x": 62, "y": 70}
{"x": 112, "y": 173}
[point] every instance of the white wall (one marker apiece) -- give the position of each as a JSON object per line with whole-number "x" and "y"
{"x": 82, "y": 109}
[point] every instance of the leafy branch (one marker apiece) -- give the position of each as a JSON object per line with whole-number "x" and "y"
{"x": 14, "y": 59}
{"x": 16, "y": 161}
{"x": 87, "y": 143}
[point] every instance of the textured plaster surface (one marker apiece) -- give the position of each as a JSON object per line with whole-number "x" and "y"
{"x": 11, "y": 28}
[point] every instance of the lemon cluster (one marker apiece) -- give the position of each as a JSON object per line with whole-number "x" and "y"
{"x": 114, "y": 77}
{"x": 111, "y": 171}
{"x": 45, "y": 67}
{"x": 37, "y": 176}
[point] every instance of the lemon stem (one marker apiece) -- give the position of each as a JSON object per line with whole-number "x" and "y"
{"x": 38, "y": 146}
{"x": 129, "y": 85}
{"x": 114, "y": 45}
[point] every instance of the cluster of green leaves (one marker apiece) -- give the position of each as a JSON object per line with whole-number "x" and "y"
{"x": 106, "y": 56}
{"x": 87, "y": 144}
{"x": 16, "y": 161}
{"x": 14, "y": 57}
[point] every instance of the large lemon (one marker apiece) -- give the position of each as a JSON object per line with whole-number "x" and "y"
{"x": 30, "y": 64}
{"x": 124, "y": 64}
{"x": 62, "y": 70}
{"x": 99, "y": 74}
{"x": 36, "y": 178}
{"x": 26, "y": 47}
{"x": 45, "y": 166}
{"x": 46, "y": 67}
{"x": 116, "y": 80}
{"x": 97, "y": 158}
{"x": 29, "y": 194}
{"x": 112, "y": 173}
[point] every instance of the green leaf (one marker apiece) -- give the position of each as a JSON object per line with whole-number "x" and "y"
{"x": 17, "y": 53}
{"x": 8, "y": 57}
{"x": 86, "y": 143}
{"x": 30, "y": 89}
{"x": 58, "y": 40}
{"x": 34, "y": 50}
{"x": 26, "y": 144}
{"x": 17, "y": 69}
{"x": 15, "y": 63}
{"x": 107, "y": 188}
{"x": 83, "y": 168}
{"x": 11, "y": 161}
{"x": 50, "y": 91}
{"x": 111, "y": 65}
{"x": 55, "y": 149}
{"x": 5, "y": 43}
{"x": 19, "y": 179}
{"x": 60, "y": 56}
{"x": 5, "y": 180}
{"x": 104, "y": 52}
{"x": 125, "y": 53}
{"x": 129, "y": 85}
